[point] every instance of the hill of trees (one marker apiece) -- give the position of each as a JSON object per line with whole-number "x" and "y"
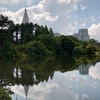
{"x": 32, "y": 40}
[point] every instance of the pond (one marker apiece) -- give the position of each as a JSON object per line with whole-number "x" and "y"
{"x": 65, "y": 78}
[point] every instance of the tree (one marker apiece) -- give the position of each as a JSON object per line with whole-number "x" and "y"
{"x": 51, "y": 32}
{"x": 93, "y": 41}
{"x": 36, "y": 48}
{"x": 90, "y": 49}
{"x": 17, "y": 29}
{"x": 5, "y": 35}
{"x": 4, "y": 95}
{"x": 37, "y": 30}
{"x": 12, "y": 29}
{"x": 46, "y": 30}
{"x": 28, "y": 37}
{"x": 49, "y": 42}
{"x": 67, "y": 44}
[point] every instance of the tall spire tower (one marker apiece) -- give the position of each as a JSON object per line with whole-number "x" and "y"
{"x": 26, "y": 88}
{"x": 25, "y": 17}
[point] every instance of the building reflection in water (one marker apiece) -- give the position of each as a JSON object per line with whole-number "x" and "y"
{"x": 84, "y": 69}
{"x": 26, "y": 88}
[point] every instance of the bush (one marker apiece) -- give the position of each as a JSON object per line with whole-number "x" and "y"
{"x": 36, "y": 48}
{"x": 77, "y": 50}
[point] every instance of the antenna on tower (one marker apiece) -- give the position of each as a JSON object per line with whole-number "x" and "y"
{"x": 25, "y": 6}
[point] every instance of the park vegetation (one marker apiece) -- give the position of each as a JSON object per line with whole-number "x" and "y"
{"x": 32, "y": 40}
{"x": 25, "y": 42}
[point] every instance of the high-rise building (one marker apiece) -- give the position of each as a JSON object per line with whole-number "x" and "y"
{"x": 76, "y": 35}
{"x": 25, "y": 17}
{"x": 82, "y": 35}
{"x": 84, "y": 69}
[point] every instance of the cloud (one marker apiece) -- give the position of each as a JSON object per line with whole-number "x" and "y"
{"x": 82, "y": 22}
{"x": 74, "y": 78}
{"x": 69, "y": 28}
{"x": 85, "y": 96}
{"x": 29, "y": 2}
{"x": 59, "y": 7}
{"x": 3, "y": 9}
{"x": 46, "y": 91}
{"x": 93, "y": 18}
{"x": 53, "y": 13}
{"x": 7, "y": 1}
{"x": 14, "y": 2}
{"x": 94, "y": 31}
{"x": 94, "y": 71}
{"x": 83, "y": 7}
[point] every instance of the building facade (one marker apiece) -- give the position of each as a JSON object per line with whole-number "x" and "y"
{"x": 82, "y": 35}
{"x": 84, "y": 69}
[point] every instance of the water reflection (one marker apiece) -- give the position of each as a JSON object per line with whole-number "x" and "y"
{"x": 51, "y": 79}
{"x": 84, "y": 69}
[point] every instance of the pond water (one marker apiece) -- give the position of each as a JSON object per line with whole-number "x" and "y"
{"x": 52, "y": 79}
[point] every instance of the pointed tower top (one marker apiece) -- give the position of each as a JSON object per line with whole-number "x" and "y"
{"x": 25, "y": 17}
{"x": 26, "y": 88}
{"x": 25, "y": 6}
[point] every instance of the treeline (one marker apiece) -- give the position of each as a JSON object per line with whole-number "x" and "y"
{"x": 30, "y": 40}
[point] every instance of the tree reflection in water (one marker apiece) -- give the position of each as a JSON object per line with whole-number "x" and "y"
{"x": 30, "y": 72}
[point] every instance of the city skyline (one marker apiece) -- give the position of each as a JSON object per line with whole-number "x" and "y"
{"x": 64, "y": 16}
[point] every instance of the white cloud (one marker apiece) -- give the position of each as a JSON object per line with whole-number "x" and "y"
{"x": 74, "y": 77}
{"x": 3, "y": 10}
{"x": 38, "y": 90}
{"x": 82, "y": 21}
{"x": 52, "y": 13}
{"x": 7, "y": 1}
{"x": 50, "y": 6}
{"x": 59, "y": 7}
{"x": 83, "y": 7}
{"x": 94, "y": 31}
{"x": 95, "y": 71}
{"x": 46, "y": 91}
{"x": 85, "y": 96}
{"x": 63, "y": 1}
{"x": 93, "y": 18}
{"x": 27, "y": 2}
{"x": 68, "y": 28}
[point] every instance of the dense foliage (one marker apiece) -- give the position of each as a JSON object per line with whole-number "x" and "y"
{"x": 31, "y": 40}
{"x": 4, "y": 95}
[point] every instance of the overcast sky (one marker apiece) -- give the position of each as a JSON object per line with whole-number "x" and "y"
{"x": 64, "y": 16}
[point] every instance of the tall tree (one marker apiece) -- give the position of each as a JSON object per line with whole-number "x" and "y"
{"x": 51, "y": 32}
{"x": 5, "y": 36}
{"x": 17, "y": 30}
{"x": 4, "y": 29}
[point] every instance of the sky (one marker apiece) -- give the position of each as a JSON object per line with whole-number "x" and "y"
{"x": 64, "y": 16}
